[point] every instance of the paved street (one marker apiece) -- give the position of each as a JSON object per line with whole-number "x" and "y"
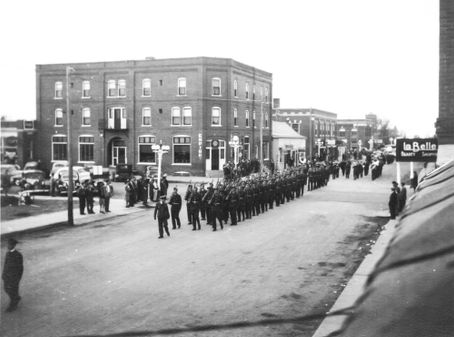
{"x": 117, "y": 277}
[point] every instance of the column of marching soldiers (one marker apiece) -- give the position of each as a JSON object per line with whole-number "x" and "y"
{"x": 239, "y": 199}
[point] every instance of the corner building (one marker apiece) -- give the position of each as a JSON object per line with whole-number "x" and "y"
{"x": 118, "y": 110}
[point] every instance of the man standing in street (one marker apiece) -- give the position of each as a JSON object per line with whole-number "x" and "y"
{"x": 175, "y": 207}
{"x": 402, "y": 197}
{"x": 162, "y": 211}
{"x": 12, "y": 274}
{"x": 108, "y": 191}
{"x": 81, "y": 191}
{"x": 392, "y": 204}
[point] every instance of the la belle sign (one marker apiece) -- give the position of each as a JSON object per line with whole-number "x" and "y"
{"x": 416, "y": 149}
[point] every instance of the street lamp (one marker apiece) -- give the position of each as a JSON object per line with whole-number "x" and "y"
{"x": 160, "y": 150}
{"x": 70, "y": 161}
{"x": 235, "y": 144}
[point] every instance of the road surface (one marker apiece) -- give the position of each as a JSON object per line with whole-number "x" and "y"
{"x": 255, "y": 279}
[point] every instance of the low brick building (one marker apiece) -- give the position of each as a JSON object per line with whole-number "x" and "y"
{"x": 17, "y": 141}
{"x": 118, "y": 110}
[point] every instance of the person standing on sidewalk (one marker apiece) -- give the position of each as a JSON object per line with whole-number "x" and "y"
{"x": 108, "y": 194}
{"x": 81, "y": 191}
{"x": 392, "y": 204}
{"x": 90, "y": 192}
{"x": 12, "y": 274}
{"x": 162, "y": 211}
{"x": 102, "y": 197}
{"x": 402, "y": 197}
{"x": 175, "y": 207}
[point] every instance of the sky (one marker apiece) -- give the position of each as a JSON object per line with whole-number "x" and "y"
{"x": 350, "y": 57}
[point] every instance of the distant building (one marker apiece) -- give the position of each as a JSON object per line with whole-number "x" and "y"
{"x": 120, "y": 109}
{"x": 17, "y": 141}
{"x": 289, "y": 147}
{"x": 356, "y": 134}
{"x": 316, "y": 125}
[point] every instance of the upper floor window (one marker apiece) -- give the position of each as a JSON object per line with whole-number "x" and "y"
{"x": 215, "y": 116}
{"x": 116, "y": 88}
{"x": 253, "y": 119}
{"x": 253, "y": 93}
{"x": 341, "y": 132}
{"x": 266, "y": 94}
{"x": 235, "y": 117}
{"x": 175, "y": 116}
{"x": 86, "y": 89}
{"x": 296, "y": 127}
{"x": 146, "y": 116}
{"x": 121, "y": 88}
{"x": 146, "y": 87}
{"x": 58, "y": 117}
{"x": 86, "y": 117}
{"x": 182, "y": 86}
{"x": 235, "y": 88}
{"x": 187, "y": 116}
{"x": 216, "y": 86}
{"x": 59, "y": 89}
{"x": 247, "y": 90}
{"x": 116, "y": 118}
{"x": 266, "y": 120}
{"x": 247, "y": 118}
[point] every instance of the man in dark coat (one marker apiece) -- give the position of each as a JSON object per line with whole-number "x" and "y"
{"x": 402, "y": 197}
{"x": 393, "y": 203}
{"x": 175, "y": 207}
{"x": 12, "y": 274}
{"x": 162, "y": 211}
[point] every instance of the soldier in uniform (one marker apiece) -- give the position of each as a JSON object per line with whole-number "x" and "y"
{"x": 175, "y": 207}
{"x": 205, "y": 199}
{"x": 241, "y": 210}
{"x": 12, "y": 274}
{"x": 232, "y": 199}
{"x": 203, "y": 205}
{"x": 194, "y": 202}
{"x": 216, "y": 208}
{"x": 186, "y": 198}
{"x": 162, "y": 212}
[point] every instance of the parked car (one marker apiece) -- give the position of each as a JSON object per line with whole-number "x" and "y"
{"x": 62, "y": 178}
{"x": 83, "y": 172}
{"x": 10, "y": 174}
{"x": 35, "y": 180}
{"x": 31, "y": 165}
{"x": 58, "y": 165}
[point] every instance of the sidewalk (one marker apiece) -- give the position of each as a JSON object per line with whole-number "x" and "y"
{"x": 355, "y": 286}
{"x": 29, "y": 224}
{"x": 117, "y": 207}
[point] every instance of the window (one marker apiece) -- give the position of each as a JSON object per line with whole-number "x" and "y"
{"x": 58, "y": 117}
{"x": 121, "y": 88}
{"x": 182, "y": 86}
{"x": 58, "y": 89}
{"x": 247, "y": 90}
{"x": 253, "y": 119}
{"x": 341, "y": 132}
{"x": 86, "y": 114}
{"x": 176, "y": 116}
{"x": 266, "y": 150}
{"x": 216, "y": 85}
{"x": 111, "y": 88}
{"x": 216, "y": 116}
{"x": 116, "y": 118}
{"x": 247, "y": 118}
{"x": 146, "y": 154}
{"x": 86, "y": 148}
{"x": 235, "y": 88}
{"x": 261, "y": 92}
{"x": 253, "y": 93}
{"x": 187, "y": 116}
{"x": 86, "y": 89}
{"x": 266, "y": 120}
{"x": 116, "y": 89}
{"x": 235, "y": 117}
{"x": 146, "y": 87}
{"x": 59, "y": 148}
{"x": 296, "y": 127}
{"x": 182, "y": 150}
{"x": 146, "y": 116}
{"x": 266, "y": 94}
{"x": 246, "y": 148}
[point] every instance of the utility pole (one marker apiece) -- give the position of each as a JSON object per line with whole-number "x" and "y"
{"x": 69, "y": 150}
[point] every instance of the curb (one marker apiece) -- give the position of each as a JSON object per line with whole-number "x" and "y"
{"x": 355, "y": 286}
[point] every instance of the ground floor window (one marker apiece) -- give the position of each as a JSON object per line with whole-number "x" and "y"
{"x": 59, "y": 148}
{"x": 146, "y": 154}
{"x": 86, "y": 148}
{"x": 182, "y": 150}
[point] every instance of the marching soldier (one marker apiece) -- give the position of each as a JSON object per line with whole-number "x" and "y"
{"x": 216, "y": 208}
{"x": 175, "y": 207}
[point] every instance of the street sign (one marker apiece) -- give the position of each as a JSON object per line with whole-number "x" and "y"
{"x": 416, "y": 149}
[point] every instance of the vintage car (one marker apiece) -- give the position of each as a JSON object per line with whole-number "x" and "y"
{"x": 34, "y": 180}
{"x": 56, "y": 166}
{"x": 10, "y": 175}
{"x": 61, "y": 177}
{"x": 83, "y": 172}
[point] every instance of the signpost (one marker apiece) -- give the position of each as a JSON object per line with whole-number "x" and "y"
{"x": 415, "y": 150}
{"x": 235, "y": 143}
{"x": 160, "y": 150}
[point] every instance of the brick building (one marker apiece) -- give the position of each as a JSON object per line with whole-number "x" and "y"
{"x": 120, "y": 109}
{"x": 17, "y": 141}
{"x": 317, "y": 126}
{"x": 355, "y": 134}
